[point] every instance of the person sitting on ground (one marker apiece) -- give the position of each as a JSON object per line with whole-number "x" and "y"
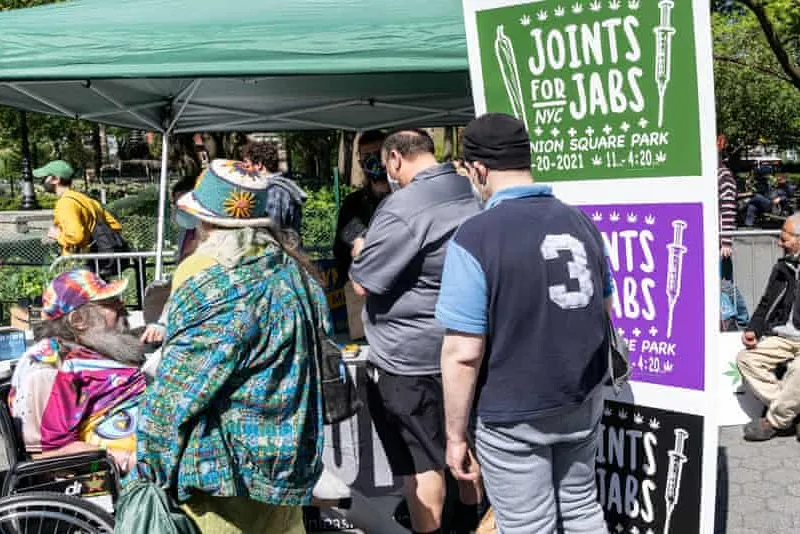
{"x": 772, "y": 339}
{"x": 782, "y": 194}
{"x": 78, "y": 388}
{"x": 764, "y": 200}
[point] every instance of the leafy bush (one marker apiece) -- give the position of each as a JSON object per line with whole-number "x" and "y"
{"x": 18, "y": 283}
{"x": 319, "y": 219}
{"x": 144, "y": 203}
{"x": 46, "y": 201}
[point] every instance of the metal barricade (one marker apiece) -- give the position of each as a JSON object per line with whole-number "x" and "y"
{"x": 139, "y": 261}
{"x": 754, "y": 254}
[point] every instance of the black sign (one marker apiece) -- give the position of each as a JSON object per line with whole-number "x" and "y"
{"x": 649, "y": 467}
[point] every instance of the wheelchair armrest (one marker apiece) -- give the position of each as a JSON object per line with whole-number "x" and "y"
{"x": 66, "y": 462}
{"x": 46, "y": 466}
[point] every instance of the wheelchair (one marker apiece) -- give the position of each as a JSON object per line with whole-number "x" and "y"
{"x": 54, "y": 495}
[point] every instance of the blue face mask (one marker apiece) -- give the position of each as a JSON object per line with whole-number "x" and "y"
{"x": 185, "y": 220}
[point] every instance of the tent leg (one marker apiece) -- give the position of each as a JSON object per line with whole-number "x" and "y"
{"x": 162, "y": 206}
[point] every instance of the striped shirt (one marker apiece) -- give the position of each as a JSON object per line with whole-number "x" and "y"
{"x": 726, "y": 184}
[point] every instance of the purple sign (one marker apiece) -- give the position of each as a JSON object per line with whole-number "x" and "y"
{"x": 656, "y": 257}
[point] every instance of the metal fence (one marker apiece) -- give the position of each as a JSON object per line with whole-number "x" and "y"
{"x": 26, "y": 257}
{"x": 754, "y": 254}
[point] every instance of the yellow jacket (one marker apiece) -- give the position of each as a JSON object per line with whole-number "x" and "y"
{"x": 75, "y": 216}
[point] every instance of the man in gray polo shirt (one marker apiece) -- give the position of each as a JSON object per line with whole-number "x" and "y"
{"x": 399, "y": 269}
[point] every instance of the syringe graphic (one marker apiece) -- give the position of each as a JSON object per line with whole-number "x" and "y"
{"x": 675, "y": 269}
{"x": 664, "y": 33}
{"x": 504, "y": 51}
{"x": 675, "y": 471}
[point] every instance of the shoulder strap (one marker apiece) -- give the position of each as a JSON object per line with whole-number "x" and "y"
{"x": 315, "y": 324}
{"x": 81, "y": 204}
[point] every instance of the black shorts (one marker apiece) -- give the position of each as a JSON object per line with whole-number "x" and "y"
{"x": 408, "y": 412}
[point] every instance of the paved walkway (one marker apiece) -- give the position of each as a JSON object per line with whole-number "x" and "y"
{"x": 758, "y": 489}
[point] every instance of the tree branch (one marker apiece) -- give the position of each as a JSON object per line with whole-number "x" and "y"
{"x": 780, "y": 75}
{"x": 791, "y": 70}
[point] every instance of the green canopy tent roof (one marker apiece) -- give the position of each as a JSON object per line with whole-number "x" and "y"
{"x": 202, "y": 65}
{"x": 206, "y": 65}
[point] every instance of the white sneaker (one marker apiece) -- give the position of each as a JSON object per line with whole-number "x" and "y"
{"x": 331, "y": 491}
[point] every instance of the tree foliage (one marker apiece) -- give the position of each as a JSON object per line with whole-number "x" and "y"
{"x": 756, "y": 101}
{"x": 779, "y": 21}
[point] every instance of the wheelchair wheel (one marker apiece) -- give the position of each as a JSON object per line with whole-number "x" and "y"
{"x": 44, "y": 512}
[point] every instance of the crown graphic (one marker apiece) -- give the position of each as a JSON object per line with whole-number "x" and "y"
{"x": 614, "y": 5}
{"x": 632, "y": 218}
{"x": 614, "y": 217}
{"x": 650, "y": 220}
{"x": 542, "y": 15}
{"x": 525, "y": 20}
{"x": 595, "y": 6}
{"x": 607, "y": 412}
{"x": 638, "y": 419}
{"x": 577, "y": 8}
{"x": 633, "y": 4}
{"x": 654, "y": 424}
{"x": 597, "y": 161}
{"x": 623, "y": 415}
{"x": 559, "y": 11}
{"x": 597, "y": 216}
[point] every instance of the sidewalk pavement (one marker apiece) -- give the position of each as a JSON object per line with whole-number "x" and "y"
{"x": 758, "y": 485}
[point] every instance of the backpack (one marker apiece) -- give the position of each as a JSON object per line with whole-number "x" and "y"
{"x": 106, "y": 240}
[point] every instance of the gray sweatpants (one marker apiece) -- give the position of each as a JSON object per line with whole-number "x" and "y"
{"x": 540, "y": 474}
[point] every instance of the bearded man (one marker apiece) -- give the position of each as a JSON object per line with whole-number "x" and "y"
{"x": 78, "y": 388}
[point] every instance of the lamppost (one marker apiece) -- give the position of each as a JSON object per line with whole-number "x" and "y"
{"x": 29, "y": 201}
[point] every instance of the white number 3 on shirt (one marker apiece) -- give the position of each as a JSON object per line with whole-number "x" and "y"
{"x": 576, "y": 270}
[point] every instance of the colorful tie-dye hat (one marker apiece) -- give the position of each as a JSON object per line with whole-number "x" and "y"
{"x": 229, "y": 194}
{"x": 71, "y": 290}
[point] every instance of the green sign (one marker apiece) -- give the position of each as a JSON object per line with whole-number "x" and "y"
{"x": 607, "y": 89}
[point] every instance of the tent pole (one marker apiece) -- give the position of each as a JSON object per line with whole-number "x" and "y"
{"x": 162, "y": 205}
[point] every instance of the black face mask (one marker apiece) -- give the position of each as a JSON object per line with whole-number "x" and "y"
{"x": 371, "y": 164}
{"x": 49, "y": 187}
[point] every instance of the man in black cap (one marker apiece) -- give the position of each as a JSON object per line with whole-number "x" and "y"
{"x": 524, "y": 297}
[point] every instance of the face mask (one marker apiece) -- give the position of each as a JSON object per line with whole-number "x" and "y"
{"x": 185, "y": 220}
{"x": 371, "y": 164}
{"x": 393, "y": 184}
{"x": 49, "y": 187}
{"x": 477, "y": 194}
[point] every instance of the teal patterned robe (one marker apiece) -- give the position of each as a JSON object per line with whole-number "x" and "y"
{"x": 235, "y": 408}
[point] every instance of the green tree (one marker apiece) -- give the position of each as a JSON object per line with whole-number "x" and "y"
{"x": 756, "y": 100}
{"x": 780, "y": 23}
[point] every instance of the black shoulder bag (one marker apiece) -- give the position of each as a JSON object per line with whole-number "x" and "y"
{"x": 340, "y": 399}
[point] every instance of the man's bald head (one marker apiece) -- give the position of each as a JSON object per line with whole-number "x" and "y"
{"x": 406, "y": 153}
{"x": 790, "y": 236}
